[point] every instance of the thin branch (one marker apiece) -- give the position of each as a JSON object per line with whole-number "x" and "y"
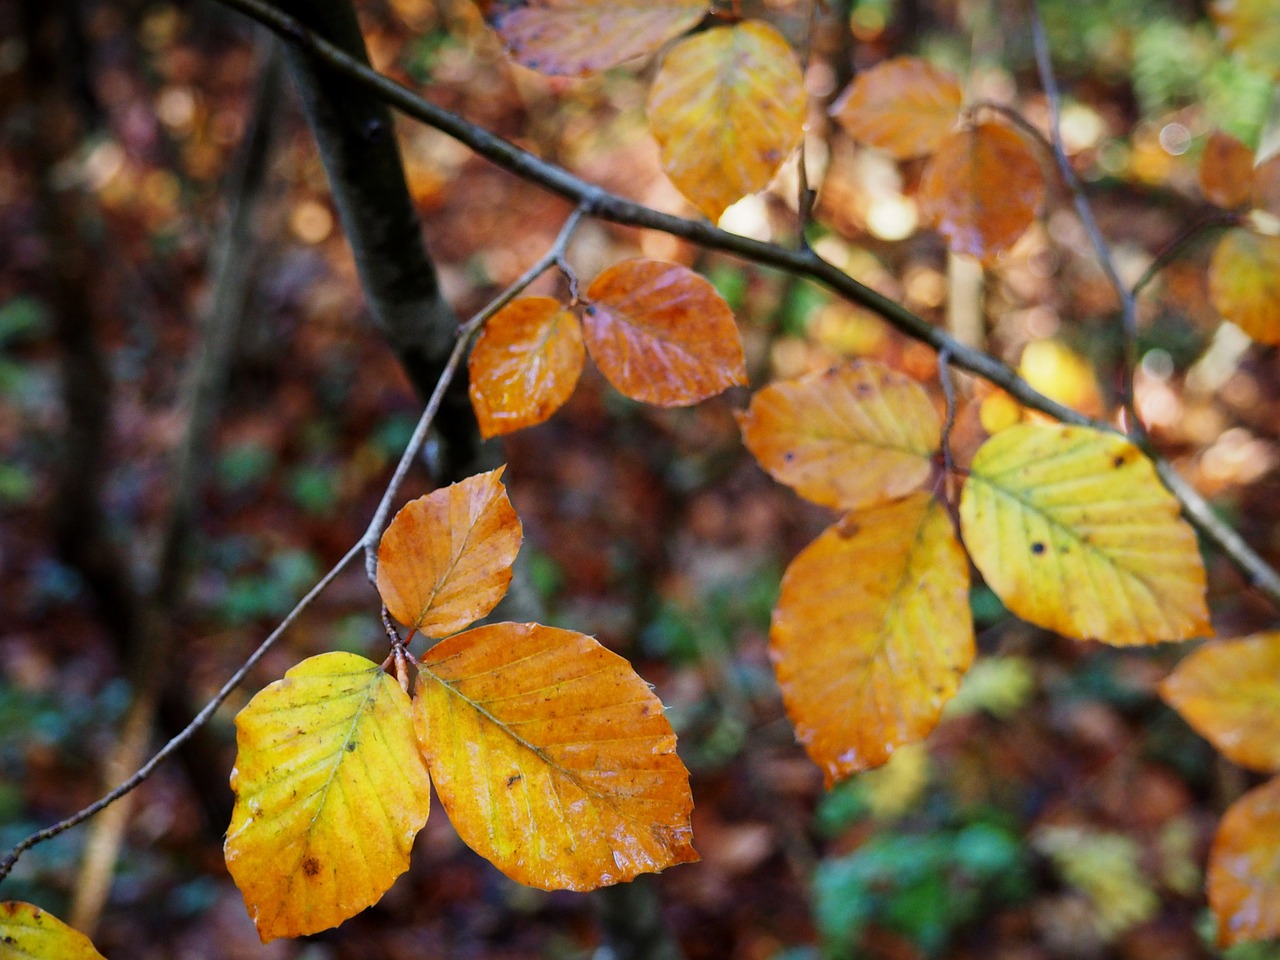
{"x": 1178, "y": 245}
{"x": 949, "y": 393}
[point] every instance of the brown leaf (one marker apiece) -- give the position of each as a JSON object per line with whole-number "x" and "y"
{"x": 1226, "y": 170}
{"x": 1266, "y": 186}
{"x": 905, "y": 106}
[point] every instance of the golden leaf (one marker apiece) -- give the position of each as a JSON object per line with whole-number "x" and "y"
{"x": 1244, "y": 868}
{"x": 1244, "y": 283}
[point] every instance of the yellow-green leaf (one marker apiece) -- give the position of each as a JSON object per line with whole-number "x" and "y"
{"x": 1244, "y": 868}
{"x": 1244, "y": 283}
{"x": 330, "y": 791}
{"x": 1251, "y": 29}
{"x": 1074, "y": 532}
{"x": 446, "y": 558}
{"x": 1230, "y": 693}
{"x": 552, "y": 757}
{"x": 727, "y": 108}
{"x": 872, "y": 633}
{"x": 905, "y": 106}
{"x": 29, "y": 933}
{"x": 847, "y": 437}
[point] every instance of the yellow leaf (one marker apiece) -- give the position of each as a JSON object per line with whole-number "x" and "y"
{"x": 872, "y": 633}
{"x": 848, "y": 437}
{"x": 330, "y": 791}
{"x": 552, "y": 757}
{"x": 446, "y": 558}
{"x": 29, "y": 933}
{"x": 525, "y": 365}
{"x": 1244, "y": 868}
{"x": 1074, "y": 532}
{"x": 1244, "y": 283}
{"x": 905, "y": 106}
{"x": 1226, "y": 171}
{"x": 727, "y": 108}
{"x": 1251, "y": 29}
{"x": 1228, "y": 692}
{"x": 1061, "y": 374}
{"x": 572, "y": 37}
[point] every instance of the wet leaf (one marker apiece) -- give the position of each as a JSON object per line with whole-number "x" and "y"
{"x": 1074, "y": 532}
{"x": 662, "y": 334}
{"x": 1228, "y": 692}
{"x": 1226, "y": 170}
{"x": 1250, "y": 29}
{"x": 1244, "y": 283}
{"x": 847, "y": 437}
{"x": 330, "y": 791}
{"x": 872, "y": 633}
{"x": 572, "y": 37}
{"x": 29, "y": 933}
{"x": 446, "y": 558}
{"x": 525, "y": 365}
{"x": 552, "y": 757}
{"x": 1244, "y": 868}
{"x": 981, "y": 190}
{"x": 905, "y": 106}
{"x": 727, "y": 108}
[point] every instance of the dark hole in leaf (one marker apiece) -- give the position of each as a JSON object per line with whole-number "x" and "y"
{"x": 1037, "y": 548}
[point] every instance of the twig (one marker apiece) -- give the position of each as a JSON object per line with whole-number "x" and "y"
{"x": 1176, "y": 246}
{"x": 949, "y": 393}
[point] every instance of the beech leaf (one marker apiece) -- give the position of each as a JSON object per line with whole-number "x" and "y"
{"x": 1244, "y": 868}
{"x": 1074, "y": 532}
{"x": 1244, "y": 283}
{"x": 330, "y": 791}
{"x": 905, "y": 106}
{"x": 29, "y": 933}
{"x": 1226, "y": 170}
{"x": 872, "y": 633}
{"x": 552, "y": 757}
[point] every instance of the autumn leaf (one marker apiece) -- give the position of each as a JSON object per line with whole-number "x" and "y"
{"x": 981, "y": 190}
{"x": 662, "y": 334}
{"x": 525, "y": 365}
{"x": 905, "y": 106}
{"x": 872, "y": 633}
{"x": 727, "y": 108}
{"x": 1226, "y": 171}
{"x": 1244, "y": 283}
{"x": 1074, "y": 532}
{"x": 1244, "y": 868}
{"x": 848, "y": 437}
{"x": 446, "y": 558}
{"x": 330, "y": 791}
{"x": 1266, "y": 185}
{"x": 552, "y": 757}
{"x": 1228, "y": 692}
{"x": 572, "y": 37}
{"x": 29, "y": 933}
{"x": 1251, "y": 29}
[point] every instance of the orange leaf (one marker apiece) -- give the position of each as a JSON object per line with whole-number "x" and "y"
{"x": 446, "y": 558}
{"x": 905, "y": 106}
{"x": 1228, "y": 693}
{"x": 872, "y": 633}
{"x": 525, "y": 365}
{"x": 981, "y": 189}
{"x": 1244, "y": 868}
{"x": 552, "y": 757}
{"x": 1244, "y": 283}
{"x": 1266, "y": 186}
{"x": 727, "y": 108}
{"x": 662, "y": 334}
{"x": 29, "y": 933}
{"x": 1226, "y": 169}
{"x": 572, "y": 37}
{"x": 848, "y": 437}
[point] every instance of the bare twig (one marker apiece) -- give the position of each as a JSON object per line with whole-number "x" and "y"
{"x": 1178, "y": 245}
{"x": 949, "y": 393}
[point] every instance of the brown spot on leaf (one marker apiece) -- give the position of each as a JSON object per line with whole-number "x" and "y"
{"x": 514, "y": 778}
{"x": 310, "y": 866}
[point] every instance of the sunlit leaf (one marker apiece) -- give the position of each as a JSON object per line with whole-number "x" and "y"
{"x": 552, "y": 757}
{"x": 981, "y": 189}
{"x": 446, "y": 558}
{"x": 1229, "y": 692}
{"x": 905, "y": 106}
{"x": 1061, "y": 374}
{"x": 872, "y": 633}
{"x": 1251, "y": 29}
{"x": 662, "y": 334}
{"x": 571, "y": 37}
{"x": 727, "y": 108}
{"x": 525, "y": 365}
{"x": 1074, "y": 532}
{"x": 847, "y": 437}
{"x": 1244, "y": 868}
{"x": 330, "y": 791}
{"x": 1244, "y": 283}
{"x": 1226, "y": 170}
{"x": 29, "y": 933}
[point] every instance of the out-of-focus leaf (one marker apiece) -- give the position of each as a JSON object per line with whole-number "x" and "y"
{"x": 727, "y": 108}
{"x": 981, "y": 189}
{"x": 1226, "y": 170}
{"x": 905, "y": 106}
{"x": 662, "y": 334}
{"x": 552, "y": 757}
{"x": 1244, "y": 868}
{"x": 572, "y": 37}
{"x": 1074, "y": 532}
{"x": 872, "y": 633}
{"x": 1266, "y": 185}
{"x": 847, "y": 437}
{"x": 1244, "y": 283}
{"x": 330, "y": 791}
{"x": 1106, "y": 868}
{"x": 446, "y": 558}
{"x": 1251, "y": 29}
{"x": 1061, "y": 374}
{"x": 525, "y": 365}
{"x": 29, "y": 933}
